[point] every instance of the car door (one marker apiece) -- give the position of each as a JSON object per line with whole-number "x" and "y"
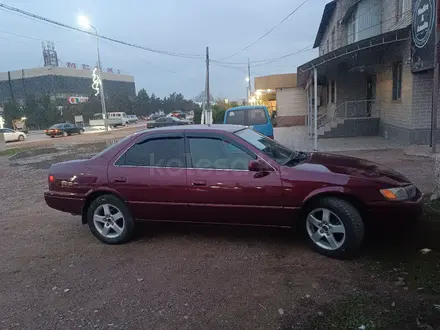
{"x": 9, "y": 135}
{"x": 160, "y": 122}
{"x": 151, "y": 177}
{"x": 222, "y": 189}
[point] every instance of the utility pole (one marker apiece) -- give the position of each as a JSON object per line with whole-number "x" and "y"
{"x": 435, "y": 85}
{"x": 208, "y": 107}
{"x": 249, "y": 80}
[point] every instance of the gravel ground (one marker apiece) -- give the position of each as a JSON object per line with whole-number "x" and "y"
{"x": 55, "y": 275}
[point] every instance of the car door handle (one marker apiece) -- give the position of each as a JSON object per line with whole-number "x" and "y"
{"x": 119, "y": 180}
{"x": 198, "y": 183}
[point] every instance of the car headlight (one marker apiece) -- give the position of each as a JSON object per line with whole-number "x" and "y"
{"x": 399, "y": 194}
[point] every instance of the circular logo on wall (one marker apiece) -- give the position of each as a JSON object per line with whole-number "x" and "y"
{"x": 422, "y": 22}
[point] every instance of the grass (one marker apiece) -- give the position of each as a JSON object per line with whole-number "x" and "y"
{"x": 10, "y": 152}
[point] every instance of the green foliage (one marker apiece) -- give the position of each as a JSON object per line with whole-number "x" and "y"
{"x": 10, "y": 112}
{"x": 42, "y": 112}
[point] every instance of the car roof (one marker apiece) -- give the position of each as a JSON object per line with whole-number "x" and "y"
{"x": 214, "y": 127}
{"x": 247, "y": 107}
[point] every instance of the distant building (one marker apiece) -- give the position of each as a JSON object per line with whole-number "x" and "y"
{"x": 63, "y": 85}
{"x": 282, "y": 94}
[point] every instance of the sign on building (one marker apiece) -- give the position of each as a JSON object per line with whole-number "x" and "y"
{"x": 71, "y": 65}
{"x": 423, "y": 35}
{"x": 77, "y": 99}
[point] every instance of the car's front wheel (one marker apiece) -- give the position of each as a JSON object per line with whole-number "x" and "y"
{"x": 334, "y": 227}
{"x": 110, "y": 220}
{"x": 21, "y": 138}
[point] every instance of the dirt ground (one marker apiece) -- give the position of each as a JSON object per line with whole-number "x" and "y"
{"x": 55, "y": 275}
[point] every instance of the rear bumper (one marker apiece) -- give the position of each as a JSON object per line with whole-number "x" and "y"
{"x": 60, "y": 202}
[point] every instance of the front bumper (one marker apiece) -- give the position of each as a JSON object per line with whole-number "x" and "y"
{"x": 65, "y": 203}
{"x": 396, "y": 212}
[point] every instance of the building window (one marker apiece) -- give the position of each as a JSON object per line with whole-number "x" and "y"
{"x": 333, "y": 39}
{"x": 397, "y": 81}
{"x": 351, "y": 30}
{"x": 333, "y": 91}
{"x": 328, "y": 45}
{"x": 400, "y": 10}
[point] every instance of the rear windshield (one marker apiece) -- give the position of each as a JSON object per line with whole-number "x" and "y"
{"x": 256, "y": 117}
{"x": 235, "y": 117}
{"x": 57, "y": 126}
{"x": 249, "y": 117}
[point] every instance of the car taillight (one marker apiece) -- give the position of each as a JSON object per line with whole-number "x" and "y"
{"x": 51, "y": 178}
{"x": 270, "y": 137}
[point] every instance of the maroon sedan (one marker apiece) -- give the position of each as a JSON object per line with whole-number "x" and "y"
{"x": 228, "y": 174}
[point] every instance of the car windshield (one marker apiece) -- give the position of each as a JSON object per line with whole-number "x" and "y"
{"x": 282, "y": 155}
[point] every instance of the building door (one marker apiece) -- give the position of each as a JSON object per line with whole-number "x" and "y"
{"x": 370, "y": 94}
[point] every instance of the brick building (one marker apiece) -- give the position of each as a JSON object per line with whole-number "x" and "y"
{"x": 364, "y": 78}
{"x": 282, "y": 94}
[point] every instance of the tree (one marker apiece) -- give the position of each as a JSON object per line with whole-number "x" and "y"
{"x": 10, "y": 112}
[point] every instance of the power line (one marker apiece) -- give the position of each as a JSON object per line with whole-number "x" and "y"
{"x": 268, "y": 32}
{"x": 47, "y": 20}
{"x": 299, "y": 51}
{"x": 305, "y": 49}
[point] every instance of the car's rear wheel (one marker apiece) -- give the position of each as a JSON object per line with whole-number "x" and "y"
{"x": 65, "y": 134}
{"x": 21, "y": 138}
{"x": 110, "y": 220}
{"x": 334, "y": 227}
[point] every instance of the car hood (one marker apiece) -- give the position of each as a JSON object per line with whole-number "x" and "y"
{"x": 353, "y": 167}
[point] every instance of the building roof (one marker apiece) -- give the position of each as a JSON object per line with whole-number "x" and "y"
{"x": 326, "y": 16}
{"x": 61, "y": 71}
{"x": 287, "y": 80}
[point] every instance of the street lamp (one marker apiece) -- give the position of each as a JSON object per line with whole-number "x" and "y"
{"x": 85, "y": 23}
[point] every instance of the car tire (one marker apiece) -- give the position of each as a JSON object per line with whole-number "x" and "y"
{"x": 116, "y": 230}
{"x": 65, "y": 134}
{"x": 334, "y": 228}
{"x": 81, "y": 131}
{"x": 52, "y": 136}
{"x": 21, "y": 138}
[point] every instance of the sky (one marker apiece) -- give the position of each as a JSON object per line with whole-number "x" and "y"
{"x": 178, "y": 26}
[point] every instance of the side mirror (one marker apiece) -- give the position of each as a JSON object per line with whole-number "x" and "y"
{"x": 259, "y": 166}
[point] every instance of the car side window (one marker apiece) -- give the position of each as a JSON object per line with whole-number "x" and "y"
{"x": 67, "y": 126}
{"x": 160, "y": 119}
{"x": 162, "y": 152}
{"x": 214, "y": 153}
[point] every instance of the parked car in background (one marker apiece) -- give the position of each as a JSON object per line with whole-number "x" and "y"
{"x": 257, "y": 117}
{"x": 65, "y": 129}
{"x": 114, "y": 119}
{"x": 178, "y": 114}
{"x": 167, "y": 121}
{"x": 132, "y": 119}
{"x": 12, "y": 135}
{"x": 117, "y": 119}
{"x": 229, "y": 174}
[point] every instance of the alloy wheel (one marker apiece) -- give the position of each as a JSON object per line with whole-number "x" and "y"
{"x": 325, "y": 229}
{"x": 108, "y": 221}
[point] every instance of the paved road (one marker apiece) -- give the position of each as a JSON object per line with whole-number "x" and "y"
{"x": 55, "y": 275}
{"x": 37, "y": 139}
